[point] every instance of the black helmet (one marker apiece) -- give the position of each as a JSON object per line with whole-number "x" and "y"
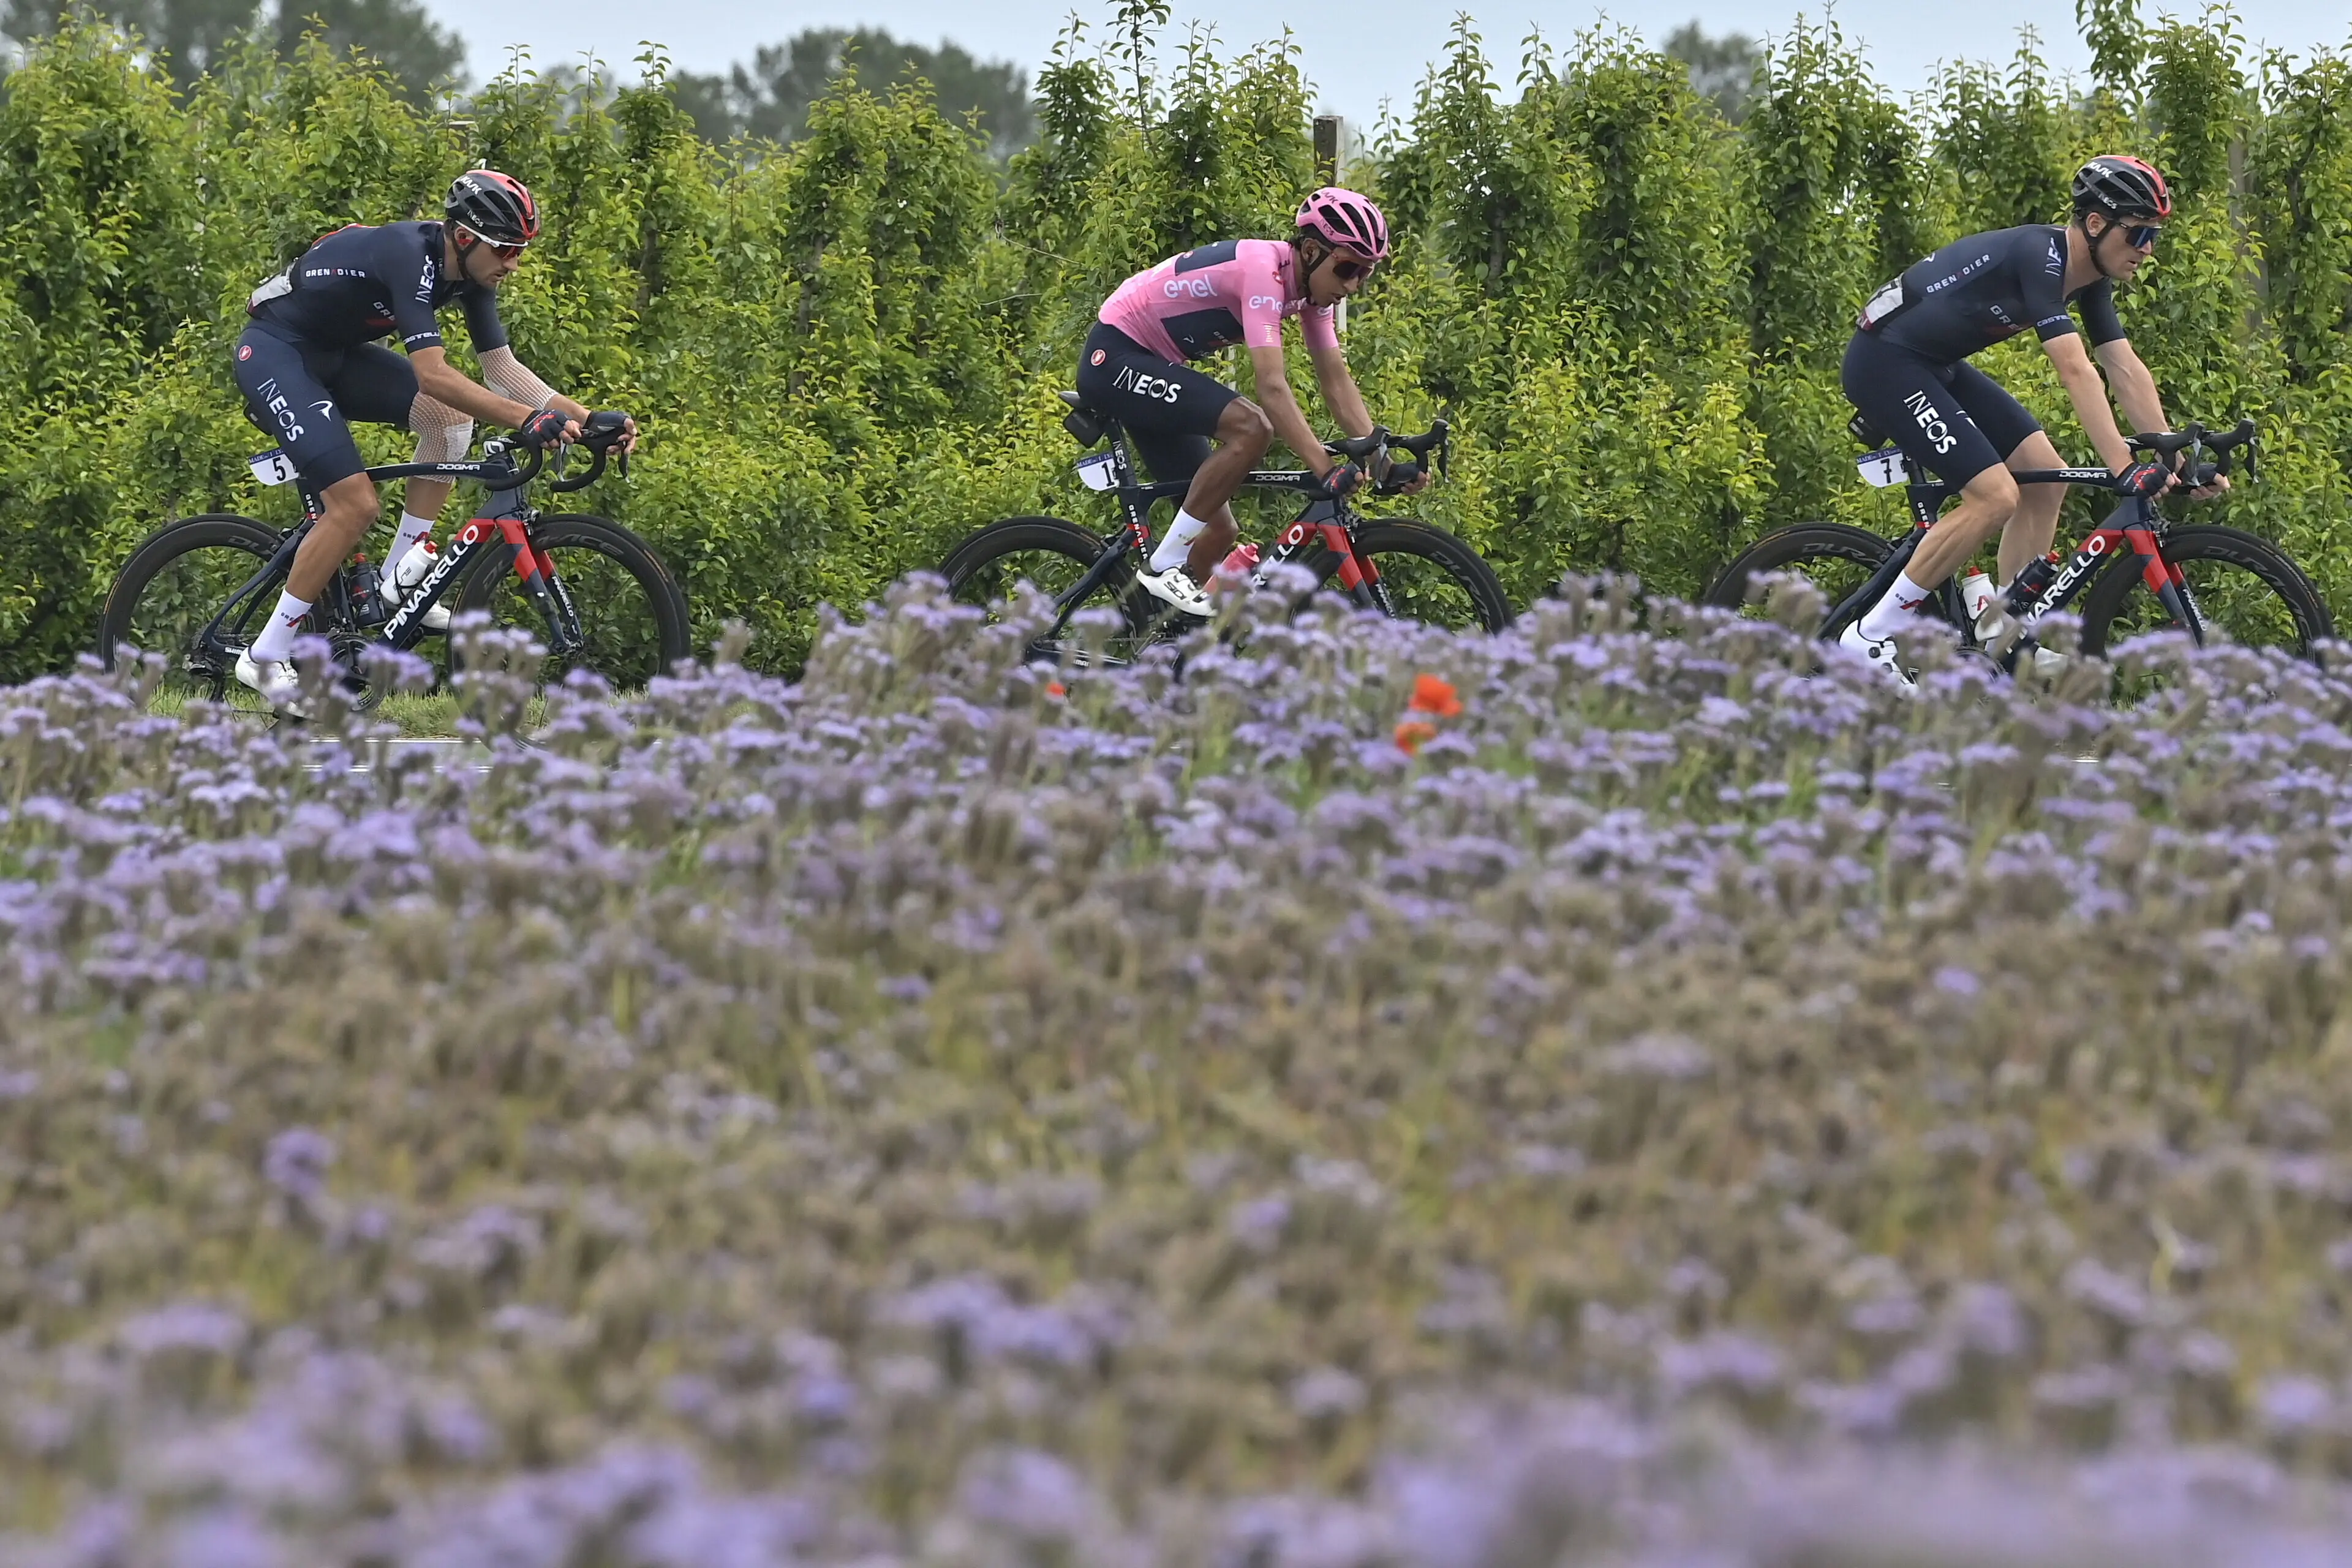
{"x": 2121, "y": 187}
{"x": 497, "y": 207}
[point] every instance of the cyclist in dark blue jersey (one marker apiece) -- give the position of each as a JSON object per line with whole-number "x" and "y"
{"x": 310, "y": 361}
{"x": 1905, "y": 371}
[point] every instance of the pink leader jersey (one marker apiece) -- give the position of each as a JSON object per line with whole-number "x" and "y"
{"x": 1237, "y": 291}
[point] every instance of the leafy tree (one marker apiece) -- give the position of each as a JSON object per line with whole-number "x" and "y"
{"x": 419, "y": 54}
{"x": 1721, "y": 69}
{"x": 772, "y": 96}
{"x": 196, "y": 36}
{"x": 844, "y": 350}
{"x": 192, "y": 35}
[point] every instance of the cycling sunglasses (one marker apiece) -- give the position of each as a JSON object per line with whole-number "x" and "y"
{"x": 503, "y": 252}
{"x": 1346, "y": 271}
{"x": 2140, "y": 235}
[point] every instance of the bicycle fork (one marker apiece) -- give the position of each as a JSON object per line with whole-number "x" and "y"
{"x": 2100, "y": 550}
{"x": 531, "y": 564}
{"x": 1355, "y": 573}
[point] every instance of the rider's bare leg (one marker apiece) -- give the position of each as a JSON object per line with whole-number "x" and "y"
{"x": 1244, "y": 434}
{"x": 1987, "y": 504}
{"x": 2034, "y": 523}
{"x": 349, "y": 507}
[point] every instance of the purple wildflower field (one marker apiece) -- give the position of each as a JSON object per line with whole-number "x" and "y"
{"x": 1685, "y": 1109}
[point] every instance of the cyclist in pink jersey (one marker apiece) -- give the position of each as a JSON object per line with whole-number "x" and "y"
{"x": 1136, "y": 367}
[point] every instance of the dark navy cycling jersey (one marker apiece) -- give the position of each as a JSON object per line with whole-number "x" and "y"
{"x": 1976, "y": 292}
{"x": 361, "y": 283}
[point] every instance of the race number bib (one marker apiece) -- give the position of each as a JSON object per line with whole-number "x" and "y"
{"x": 1882, "y": 467}
{"x": 273, "y": 467}
{"x": 1095, "y": 473}
{"x": 1882, "y": 304}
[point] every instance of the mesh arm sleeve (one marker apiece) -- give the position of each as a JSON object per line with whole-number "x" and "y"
{"x": 443, "y": 434}
{"x": 510, "y": 375}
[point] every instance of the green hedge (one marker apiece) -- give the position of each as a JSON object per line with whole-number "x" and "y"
{"x": 845, "y": 351}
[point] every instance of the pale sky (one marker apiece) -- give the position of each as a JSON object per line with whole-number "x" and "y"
{"x": 1357, "y": 52}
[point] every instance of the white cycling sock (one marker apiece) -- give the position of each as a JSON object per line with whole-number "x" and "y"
{"x": 411, "y": 530}
{"x": 1884, "y": 618}
{"x": 1176, "y": 545}
{"x": 276, "y": 642}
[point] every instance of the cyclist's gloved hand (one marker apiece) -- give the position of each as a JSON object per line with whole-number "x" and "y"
{"x": 544, "y": 428}
{"x": 2146, "y": 478}
{"x": 1339, "y": 481}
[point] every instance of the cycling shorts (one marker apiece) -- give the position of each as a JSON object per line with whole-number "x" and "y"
{"x": 303, "y": 395}
{"x": 1170, "y": 410}
{"x": 1954, "y": 420}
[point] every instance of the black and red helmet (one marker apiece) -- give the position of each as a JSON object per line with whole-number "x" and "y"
{"x": 497, "y": 207}
{"x": 2122, "y": 187}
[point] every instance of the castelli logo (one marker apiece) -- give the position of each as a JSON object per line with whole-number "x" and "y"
{"x": 244, "y": 351}
{"x": 1100, "y": 356}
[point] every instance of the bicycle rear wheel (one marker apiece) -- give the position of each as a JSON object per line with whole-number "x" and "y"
{"x": 992, "y": 562}
{"x": 1835, "y": 557}
{"x": 169, "y": 590}
{"x": 632, "y": 615}
{"x": 2243, "y": 589}
{"x": 1431, "y": 577}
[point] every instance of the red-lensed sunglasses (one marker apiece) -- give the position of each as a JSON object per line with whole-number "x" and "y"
{"x": 503, "y": 252}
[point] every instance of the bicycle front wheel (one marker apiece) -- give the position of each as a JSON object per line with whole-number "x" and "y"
{"x": 1055, "y": 555}
{"x": 1834, "y": 557}
{"x": 632, "y": 615}
{"x": 2242, "y": 589}
{"x": 1431, "y": 577}
{"x": 169, "y": 592}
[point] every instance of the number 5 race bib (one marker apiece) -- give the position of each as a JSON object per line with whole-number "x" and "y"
{"x": 272, "y": 467}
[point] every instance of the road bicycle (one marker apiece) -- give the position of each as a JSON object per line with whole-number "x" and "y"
{"x": 1396, "y": 567}
{"x": 197, "y": 591}
{"x": 2217, "y": 583}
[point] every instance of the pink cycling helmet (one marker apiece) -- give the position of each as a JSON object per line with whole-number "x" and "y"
{"x": 1346, "y": 221}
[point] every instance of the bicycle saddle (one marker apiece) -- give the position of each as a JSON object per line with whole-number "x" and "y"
{"x": 1087, "y": 424}
{"x": 1871, "y": 437}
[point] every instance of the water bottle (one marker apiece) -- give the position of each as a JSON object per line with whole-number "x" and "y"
{"x": 366, "y": 585}
{"x": 410, "y": 570}
{"x": 1976, "y": 597}
{"x": 2030, "y": 583}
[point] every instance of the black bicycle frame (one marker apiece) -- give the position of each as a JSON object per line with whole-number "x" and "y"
{"x": 504, "y": 524}
{"x": 2091, "y": 559}
{"x": 1135, "y": 498}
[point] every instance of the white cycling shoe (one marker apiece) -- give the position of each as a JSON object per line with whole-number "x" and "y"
{"x": 436, "y": 619}
{"x": 1176, "y": 589}
{"x": 275, "y": 681}
{"x": 1879, "y": 653}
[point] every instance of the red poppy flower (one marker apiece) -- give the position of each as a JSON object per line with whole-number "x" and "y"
{"x": 1432, "y": 695}
{"x": 1412, "y": 732}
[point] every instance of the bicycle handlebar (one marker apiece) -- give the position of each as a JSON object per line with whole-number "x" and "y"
{"x": 2192, "y": 436}
{"x": 521, "y": 474}
{"x": 499, "y": 469}
{"x": 599, "y": 435}
{"x": 1395, "y": 476}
